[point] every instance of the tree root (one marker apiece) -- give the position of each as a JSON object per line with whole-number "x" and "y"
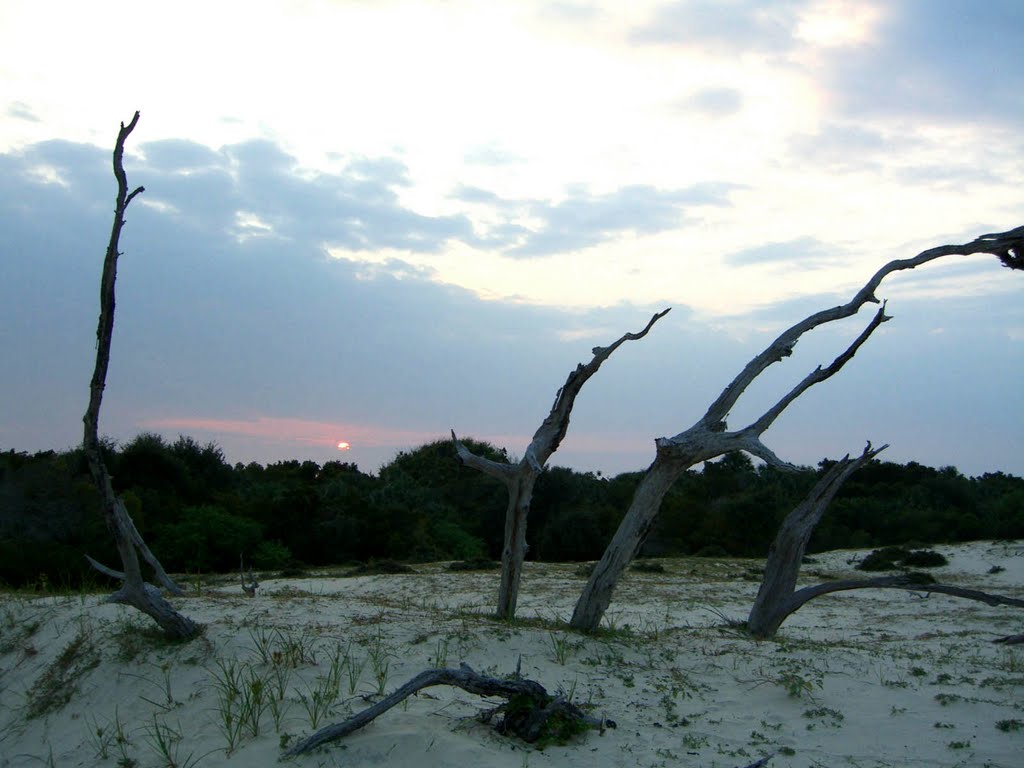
{"x": 529, "y": 712}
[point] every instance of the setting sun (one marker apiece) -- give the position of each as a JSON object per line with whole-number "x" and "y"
{"x": 343, "y": 446}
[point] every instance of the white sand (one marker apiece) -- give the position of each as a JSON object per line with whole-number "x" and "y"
{"x": 865, "y": 678}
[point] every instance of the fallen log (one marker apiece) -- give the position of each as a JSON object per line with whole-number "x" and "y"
{"x": 1010, "y": 640}
{"x": 530, "y": 712}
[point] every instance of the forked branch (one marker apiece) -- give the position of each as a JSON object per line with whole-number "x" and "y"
{"x": 1007, "y": 246}
{"x": 519, "y": 478}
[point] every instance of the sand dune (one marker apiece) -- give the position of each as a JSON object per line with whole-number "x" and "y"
{"x": 867, "y": 678}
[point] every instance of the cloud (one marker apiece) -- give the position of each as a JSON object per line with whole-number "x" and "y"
{"x": 839, "y": 145}
{"x": 903, "y": 155}
{"x": 22, "y": 111}
{"x": 937, "y": 58}
{"x": 269, "y": 345}
{"x": 536, "y": 228}
{"x": 181, "y": 155}
{"x": 357, "y": 208}
{"x": 714, "y": 102}
{"x": 730, "y": 25}
{"x": 491, "y": 155}
{"x": 806, "y": 252}
{"x": 255, "y": 337}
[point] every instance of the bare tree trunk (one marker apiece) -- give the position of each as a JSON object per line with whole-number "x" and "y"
{"x": 710, "y": 438}
{"x": 520, "y": 478}
{"x": 134, "y": 591}
{"x": 628, "y": 539}
{"x": 514, "y": 552}
{"x": 787, "y": 551}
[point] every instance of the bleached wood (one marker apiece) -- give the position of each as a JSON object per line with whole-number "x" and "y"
{"x": 787, "y": 550}
{"x": 519, "y": 478}
{"x": 710, "y": 436}
{"x": 466, "y": 679}
{"x": 134, "y": 591}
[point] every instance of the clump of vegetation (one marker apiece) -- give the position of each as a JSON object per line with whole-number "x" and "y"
{"x": 55, "y": 687}
{"x": 380, "y": 567}
{"x": 474, "y": 564}
{"x": 1010, "y": 725}
{"x": 896, "y": 558}
{"x": 646, "y": 566}
{"x": 925, "y": 558}
{"x": 529, "y": 718}
{"x": 585, "y": 570}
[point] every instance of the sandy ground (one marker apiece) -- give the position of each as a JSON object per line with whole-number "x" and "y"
{"x": 867, "y": 678}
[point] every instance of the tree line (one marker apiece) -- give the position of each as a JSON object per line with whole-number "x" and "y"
{"x": 198, "y": 512}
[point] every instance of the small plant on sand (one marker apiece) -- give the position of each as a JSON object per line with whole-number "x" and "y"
{"x": 163, "y": 684}
{"x": 296, "y": 649}
{"x": 826, "y": 715}
{"x": 111, "y": 735}
{"x": 1006, "y": 726}
{"x": 561, "y": 646}
{"x": 318, "y": 700}
{"x": 380, "y": 661}
{"x": 353, "y": 671}
{"x": 243, "y": 695}
{"x": 440, "y": 658}
{"x": 103, "y": 737}
{"x": 55, "y": 687}
{"x": 166, "y": 741}
{"x": 796, "y": 684}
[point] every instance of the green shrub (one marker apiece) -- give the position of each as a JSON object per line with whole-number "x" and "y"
{"x": 925, "y": 558}
{"x": 896, "y": 558}
{"x": 271, "y": 555}
{"x": 884, "y": 559}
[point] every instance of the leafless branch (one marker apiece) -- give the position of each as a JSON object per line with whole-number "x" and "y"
{"x": 1001, "y": 244}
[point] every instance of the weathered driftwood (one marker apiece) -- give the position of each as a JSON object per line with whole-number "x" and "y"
{"x": 1010, "y": 640}
{"x": 134, "y": 591}
{"x": 520, "y": 478}
{"x": 773, "y": 605}
{"x": 248, "y": 587}
{"x": 528, "y": 722}
{"x": 710, "y": 437}
{"x": 908, "y": 581}
{"x": 777, "y": 598}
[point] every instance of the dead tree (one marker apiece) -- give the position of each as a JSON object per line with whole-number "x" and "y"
{"x": 248, "y": 587}
{"x": 134, "y": 591}
{"x": 777, "y": 598}
{"x": 710, "y": 437}
{"x": 532, "y": 717}
{"x": 911, "y": 582}
{"x": 772, "y": 605}
{"x": 520, "y": 478}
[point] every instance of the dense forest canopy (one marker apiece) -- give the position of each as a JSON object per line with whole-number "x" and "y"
{"x": 198, "y": 512}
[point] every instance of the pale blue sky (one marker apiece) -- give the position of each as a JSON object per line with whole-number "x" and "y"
{"x": 374, "y": 222}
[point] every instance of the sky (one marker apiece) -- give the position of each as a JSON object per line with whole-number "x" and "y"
{"x": 375, "y": 222}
